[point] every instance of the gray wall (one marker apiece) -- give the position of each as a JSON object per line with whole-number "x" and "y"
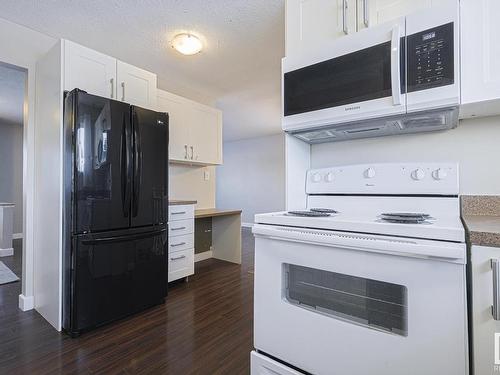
{"x": 252, "y": 177}
{"x": 12, "y": 95}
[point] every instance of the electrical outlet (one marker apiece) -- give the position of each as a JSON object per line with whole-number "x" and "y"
{"x": 206, "y": 175}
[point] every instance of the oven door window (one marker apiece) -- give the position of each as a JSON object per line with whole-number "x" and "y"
{"x": 372, "y": 303}
{"x": 347, "y": 79}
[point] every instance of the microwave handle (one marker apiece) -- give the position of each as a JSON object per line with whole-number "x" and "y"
{"x": 395, "y": 65}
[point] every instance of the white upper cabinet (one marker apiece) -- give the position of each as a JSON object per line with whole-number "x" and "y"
{"x": 102, "y": 75}
{"x": 480, "y": 63}
{"x": 206, "y": 134}
{"x": 195, "y": 130}
{"x": 312, "y": 24}
{"x": 309, "y": 23}
{"x": 89, "y": 70}
{"x": 179, "y": 131}
{"x": 135, "y": 85}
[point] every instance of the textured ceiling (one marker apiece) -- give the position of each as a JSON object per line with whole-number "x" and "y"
{"x": 12, "y": 90}
{"x": 239, "y": 68}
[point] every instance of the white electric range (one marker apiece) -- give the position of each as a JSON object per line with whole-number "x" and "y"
{"x": 368, "y": 279}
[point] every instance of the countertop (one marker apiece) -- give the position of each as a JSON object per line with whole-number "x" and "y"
{"x": 481, "y": 216}
{"x": 212, "y": 212}
{"x": 4, "y": 204}
{"x": 176, "y": 202}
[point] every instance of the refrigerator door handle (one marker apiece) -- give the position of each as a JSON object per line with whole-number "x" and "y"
{"x": 137, "y": 165}
{"x": 114, "y": 239}
{"x": 125, "y": 168}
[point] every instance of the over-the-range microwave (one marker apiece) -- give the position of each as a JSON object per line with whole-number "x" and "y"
{"x": 398, "y": 77}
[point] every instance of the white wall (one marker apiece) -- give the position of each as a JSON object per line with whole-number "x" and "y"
{"x": 22, "y": 47}
{"x": 188, "y": 182}
{"x": 475, "y": 144}
{"x": 253, "y": 176}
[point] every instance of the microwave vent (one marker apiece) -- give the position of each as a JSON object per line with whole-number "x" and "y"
{"x": 434, "y": 120}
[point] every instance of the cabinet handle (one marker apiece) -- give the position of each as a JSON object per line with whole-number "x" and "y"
{"x": 185, "y": 151}
{"x": 112, "y": 82}
{"x": 495, "y": 309}
{"x": 179, "y": 213}
{"x": 344, "y": 17}
{"x": 123, "y": 91}
{"x": 177, "y": 258}
{"x": 180, "y": 228}
{"x": 177, "y": 244}
{"x": 192, "y": 152}
{"x": 365, "y": 13}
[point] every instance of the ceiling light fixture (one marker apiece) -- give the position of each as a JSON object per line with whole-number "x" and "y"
{"x": 187, "y": 44}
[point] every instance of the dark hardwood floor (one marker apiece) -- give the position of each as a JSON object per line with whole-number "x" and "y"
{"x": 204, "y": 327}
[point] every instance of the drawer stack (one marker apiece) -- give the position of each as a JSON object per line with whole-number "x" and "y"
{"x": 180, "y": 241}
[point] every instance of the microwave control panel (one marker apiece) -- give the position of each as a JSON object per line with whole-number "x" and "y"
{"x": 430, "y": 58}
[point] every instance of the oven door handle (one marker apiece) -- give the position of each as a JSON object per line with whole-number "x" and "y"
{"x": 395, "y": 64}
{"x": 454, "y": 253}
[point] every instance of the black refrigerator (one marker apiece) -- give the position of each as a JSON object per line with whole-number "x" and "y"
{"x": 115, "y": 210}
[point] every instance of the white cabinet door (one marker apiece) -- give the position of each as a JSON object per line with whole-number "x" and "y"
{"x": 135, "y": 85}
{"x": 206, "y": 135}
{"x": 374, "y": 12}
{"x": 311, "y": 23}
{"x": 179, "y": 130}
{"x": 480, "y": 64}
{"x": 89, "y": 70}
{"x": 484, "y": 326}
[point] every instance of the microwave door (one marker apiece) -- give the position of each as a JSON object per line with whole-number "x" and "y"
{"x": 357, "y": 77}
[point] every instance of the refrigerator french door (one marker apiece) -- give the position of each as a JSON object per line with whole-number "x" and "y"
{"x": 115, "y": 210}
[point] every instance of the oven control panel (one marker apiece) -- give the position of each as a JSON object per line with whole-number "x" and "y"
{"x": 385, "y": 179}
{"x": 430, "y": 58}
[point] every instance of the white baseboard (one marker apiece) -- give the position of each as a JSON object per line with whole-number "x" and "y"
{"x": 6, "y": 252}
{"x": 247, "y": 225}
{"x": 202, "y": 256}
{"x": 17, "y": 236}
{"x": 26, "y": 303}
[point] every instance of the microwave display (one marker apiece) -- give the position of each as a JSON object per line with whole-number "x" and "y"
{"x": 431, "y": 58}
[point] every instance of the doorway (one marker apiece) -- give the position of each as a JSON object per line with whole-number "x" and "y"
{"x": 13, "y": 107}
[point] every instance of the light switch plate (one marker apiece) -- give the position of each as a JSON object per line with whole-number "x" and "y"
{"x": 206, "y": 175}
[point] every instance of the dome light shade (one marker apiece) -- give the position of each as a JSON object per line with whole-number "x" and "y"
{"x": 187, "y": 44}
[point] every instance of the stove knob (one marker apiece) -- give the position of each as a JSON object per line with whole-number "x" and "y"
{"x": 370, "y": 173}
{"x": 439, "y": 174}
{"x": 316, "y": 177}
{"x": 329, "y": 177}
{"x": 418, "y": 174}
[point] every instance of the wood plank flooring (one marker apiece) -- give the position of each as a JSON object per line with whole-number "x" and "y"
{"x": 205, "y": 327}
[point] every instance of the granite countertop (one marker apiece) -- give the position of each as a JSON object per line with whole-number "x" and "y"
{"x": 481, "y": 216}
{"x": 179, "y": 202}
{"x": 212, "y": 212}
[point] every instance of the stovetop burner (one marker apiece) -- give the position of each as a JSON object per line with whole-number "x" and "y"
{"x": 406, "y": 218}
{"x": 308, "y": 213}
{"x": 325, "y": 210}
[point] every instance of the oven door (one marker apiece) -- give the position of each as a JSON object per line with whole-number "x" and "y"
{"x": 356, "y": 77}
{"x": 331, "y": 302}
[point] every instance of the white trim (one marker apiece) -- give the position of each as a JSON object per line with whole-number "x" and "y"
{"x": 247, "y": 225}
{"x": 26, "y": 302}
{"x": 17, "y": 236}
{"x": 203, "y": 256}
{"x": 6, "y": 252}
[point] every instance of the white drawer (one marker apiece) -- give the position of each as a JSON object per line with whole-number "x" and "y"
{"x": 179, "y": 243}
{"x": 262, "y": 365}
{"x": 180, "y": 212}
{"x": 180, "y": 264}
{"x": 180, "y": 227}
